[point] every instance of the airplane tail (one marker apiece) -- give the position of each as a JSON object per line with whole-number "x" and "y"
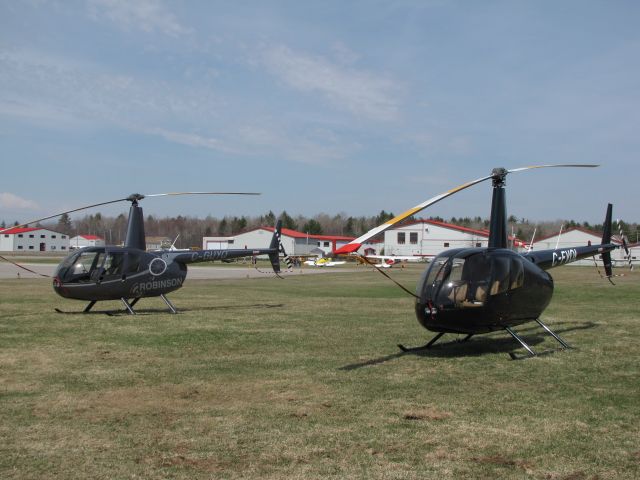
{"x": 276, "y": 249}
{"x": 606, "y": 239}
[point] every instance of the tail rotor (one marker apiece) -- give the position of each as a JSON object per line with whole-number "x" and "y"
{"x": 276, "y": 248}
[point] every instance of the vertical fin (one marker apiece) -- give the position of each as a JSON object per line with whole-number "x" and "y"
{"x": 606, "y": 239}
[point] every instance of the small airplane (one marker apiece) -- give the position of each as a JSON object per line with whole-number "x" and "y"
{"x": 472, "y": 291}
{"x": 388, "y": 261}
{"x": 323, "y": 262}
{"x": 129, "y": 273}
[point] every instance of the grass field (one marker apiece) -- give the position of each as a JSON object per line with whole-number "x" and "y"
{"x": 301, "y": 378}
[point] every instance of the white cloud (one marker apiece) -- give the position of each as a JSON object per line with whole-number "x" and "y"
{"x": 146, "y": 15}
{"x": 360, "y": 92}
{"x": 11, "y": 201}
{"x": 59, "y": 94}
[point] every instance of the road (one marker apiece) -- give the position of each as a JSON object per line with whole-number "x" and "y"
{"x": 197, "y": 272}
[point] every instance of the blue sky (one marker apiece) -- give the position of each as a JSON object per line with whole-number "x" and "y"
{"x": 326, "y": 106}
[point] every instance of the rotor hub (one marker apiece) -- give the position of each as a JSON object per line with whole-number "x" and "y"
{"x": 498, "y": 175}
{"x": 134, "y": 198}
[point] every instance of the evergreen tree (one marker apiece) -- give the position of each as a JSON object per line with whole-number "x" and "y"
{"x": 269, "y": 219}
{"x": 64, "y": 224}
{"x": 222, "y": 227}
{"x": 312, "y": 227}
{"x": 383, "y": 217}
{"x": 287, "y": 221}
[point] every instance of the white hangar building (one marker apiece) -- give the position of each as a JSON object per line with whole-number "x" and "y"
{"x": 81, "y": 241}
{"x": 430, "y": 237}
{"x": 294, "y": 242}
{"x": 578, "y": 237}
{"x": 33, "y": 240}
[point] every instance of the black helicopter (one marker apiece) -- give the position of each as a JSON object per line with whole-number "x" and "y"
{"x": 471, "y": 291}
{"x": 129, "y": 273}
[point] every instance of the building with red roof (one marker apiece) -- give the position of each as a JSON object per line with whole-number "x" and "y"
{"x": 81, "y": 241}
{"x": 33, "y": 239}
{"x": 430, "y": 237}
{"x": 294, "y": 242}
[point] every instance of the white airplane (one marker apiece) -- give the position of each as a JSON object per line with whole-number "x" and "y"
{"x": 323, "y": 262}
{"x": 387, "y": 261}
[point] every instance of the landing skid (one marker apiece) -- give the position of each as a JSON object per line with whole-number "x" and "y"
{"x": 531, "y": 353}
{"x": 431, "y": 342}
{"x": 128, "y": 307}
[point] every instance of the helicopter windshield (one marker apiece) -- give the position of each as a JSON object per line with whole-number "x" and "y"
{"x": 470, "y": 281}
{"x": 81, "y": 267}
{"x": 89, "y": 266}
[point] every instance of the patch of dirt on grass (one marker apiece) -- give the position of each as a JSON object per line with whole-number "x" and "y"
{"x": 503, "y": 461}
{"x": 429, "y": 413}
{"x": 201, "y": 464}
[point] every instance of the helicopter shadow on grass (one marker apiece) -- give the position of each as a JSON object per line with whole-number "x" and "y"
{"x": 480, "y": 345}
{"x": 152, "y": 311}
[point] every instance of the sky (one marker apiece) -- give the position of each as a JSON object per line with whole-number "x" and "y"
{"x": 323, "y": 107}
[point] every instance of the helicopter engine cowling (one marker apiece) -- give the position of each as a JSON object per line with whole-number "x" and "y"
{"x": 477, "y": 290}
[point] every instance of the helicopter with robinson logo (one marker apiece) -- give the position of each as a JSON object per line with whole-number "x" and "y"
{"x": 472, "y": 291}
{"x": 130, "y": 272}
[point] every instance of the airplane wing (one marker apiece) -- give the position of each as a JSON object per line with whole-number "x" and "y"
{"x": 399, "y": 258}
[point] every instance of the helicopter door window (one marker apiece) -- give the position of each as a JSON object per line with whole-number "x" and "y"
{"x": 81, "y": 267}
{"x": 133, "y": 263}
{"x": 96, "y": 268}
{"x": 113, "y": 265}
{"x": 476, "y": 274}
{"x": 517, "y": 273}
{"x": 500, "y": 281}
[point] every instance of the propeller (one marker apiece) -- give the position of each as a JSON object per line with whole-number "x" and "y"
{"x": 133, "y": 198}
{"x": 496, "y": 174}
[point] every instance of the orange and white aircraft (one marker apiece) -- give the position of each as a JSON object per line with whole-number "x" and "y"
{"x": 323, "y": 262}
{"x": 387, "y": 261}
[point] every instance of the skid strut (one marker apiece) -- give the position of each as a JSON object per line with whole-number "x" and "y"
{"x": 89, "y": 306}
{"x": 430, "y": 343}
{"x": 169, "y": 304}
{"x": 128, "y": 306}
{"x": 564, "y": 344}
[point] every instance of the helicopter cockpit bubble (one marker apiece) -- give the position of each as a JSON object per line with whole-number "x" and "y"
{"x": 98, "y": 264}
{"x": 469, "y": 278}
{"x": 82, "y": 266}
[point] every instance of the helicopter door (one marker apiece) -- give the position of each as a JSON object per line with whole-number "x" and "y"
{"x": 466, "y": 282}
{"x": 84, "y": 267}
{"x": 113, "y": 267}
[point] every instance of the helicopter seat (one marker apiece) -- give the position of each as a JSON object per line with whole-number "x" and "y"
{"x": 458, "y": 293}
{"x": 481, "y": 294}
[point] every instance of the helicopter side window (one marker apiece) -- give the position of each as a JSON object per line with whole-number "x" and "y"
{"x": 476, "y": 274}
{"x": 113, "y": 265}
{"x": 133, "y": 263}
{"x": 96, "y": 268}
{"x": 500, "y": 278}
{"x": 82, "y": 267}
{"x": 517, "y": 274}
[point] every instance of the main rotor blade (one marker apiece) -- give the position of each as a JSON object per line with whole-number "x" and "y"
{"x": 129, "y": 198}
{"x": 62, "y": 213}
{"x": 200, "y": 193}
{"x": 355, "y": 244}
{"x": 579, "y": 165}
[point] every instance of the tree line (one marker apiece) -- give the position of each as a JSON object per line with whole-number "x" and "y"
{"x": 190, "y": 230}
